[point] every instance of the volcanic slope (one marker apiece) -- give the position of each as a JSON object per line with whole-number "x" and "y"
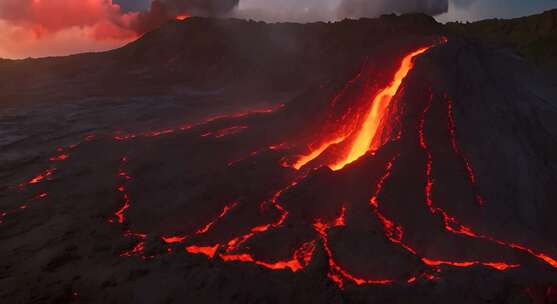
{"x": 227, "y": 161}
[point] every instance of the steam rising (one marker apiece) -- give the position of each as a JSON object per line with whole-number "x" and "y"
{"x": 330, "y": 10}
{"x": 162, "y": 10}
{"x": 366, "y": 8}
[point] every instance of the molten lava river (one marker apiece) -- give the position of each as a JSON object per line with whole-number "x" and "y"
{"x": 361, "y": 193}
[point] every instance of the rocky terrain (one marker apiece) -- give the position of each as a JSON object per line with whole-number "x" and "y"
{"x": 533, "y": 37}
{"x": 207, "y": 163}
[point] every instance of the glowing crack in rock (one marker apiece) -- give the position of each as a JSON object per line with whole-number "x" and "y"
{"x": 119, "y": 136}
{"x": 61, "y": 154}
{"x": 452, "y": 224}
{"x": 454, "y": 144}
{"x": 42, "y": 176}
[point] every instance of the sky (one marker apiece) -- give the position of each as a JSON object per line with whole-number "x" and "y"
{"x": 486, "y": 9}
{"x": 40, "y": 28}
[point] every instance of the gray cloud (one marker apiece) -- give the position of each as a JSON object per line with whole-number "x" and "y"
{"x": 132, "y": 5}
{"x": 162, "y": 10}
{"x": 463, "y": 3}
{"x": 156, "y": 12}
{"x": 370, "y": 8}
{"x": 327, "y": 10}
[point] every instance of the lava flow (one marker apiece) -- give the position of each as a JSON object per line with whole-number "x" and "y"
{"x": 359, "y": 135}
{"x": 366, "y": 134}
{"x": 363, "y": 142}
{"x": 395, "y": 233}
{"x": 452, "y": 224}
{"x": 358, "y": 140}
{"x": 363, "y": 138}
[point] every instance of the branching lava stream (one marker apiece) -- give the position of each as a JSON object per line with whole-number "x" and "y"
{"x": 358, "y": 135}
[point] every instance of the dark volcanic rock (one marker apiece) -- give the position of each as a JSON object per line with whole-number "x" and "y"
{"x": 114, "y": 163}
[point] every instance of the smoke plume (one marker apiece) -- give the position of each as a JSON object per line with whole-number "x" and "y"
{"x": 367, "y": 8}
{"x": 161, "y": 11}
{"x": 29, "y": 26}
{"x": 330, "y": 10}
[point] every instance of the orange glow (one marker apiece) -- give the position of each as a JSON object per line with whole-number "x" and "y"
{"x": 206, "y": 250}
{"x": 173, "y": 239}
{"x": 39, "y": 178}
{"x": 62, "y": 27}
{"x": 501, "y": 266}
{"x": 121, "y": 188}
{"x": 452, "y": 224}
{"x": 360, "y": 136}
{"x": 182, "y": 17}
{"x": 304, "y": 159}
{"x": 496, "y": 265}
{"x": 336, "y": 273}
{"x": 301, "y": 258}
{"x": 468, "y": 166}
{"x": 225, "y": 132}
{"x": 60, "y": 157}
{"x": 222, "y": 214}
{"x": 137, "y": 249}
{"x": 364, "y": 135}
{"x": 186, "y": 127}
{"x": 364, "y": 140}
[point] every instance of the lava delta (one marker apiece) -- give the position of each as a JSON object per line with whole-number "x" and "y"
{"x": 227, "y": 161}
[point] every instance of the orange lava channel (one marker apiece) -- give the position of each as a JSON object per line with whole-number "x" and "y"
{"x": 363, "y": 142}
{"x": 302, "y": 161}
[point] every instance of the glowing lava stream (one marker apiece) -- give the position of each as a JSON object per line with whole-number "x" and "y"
{"x": 304, "y": 159}
{"x": 364, "y": 140}
{"x": 365, "y": 135}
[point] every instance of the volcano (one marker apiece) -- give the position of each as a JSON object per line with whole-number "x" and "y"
{"x": 226, "y": 161}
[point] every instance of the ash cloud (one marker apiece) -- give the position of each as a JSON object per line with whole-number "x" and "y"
{"x": 31, "y": 27}
{"x": 161, "y": 11}
{"x": 330, "y": 10}
{"x": 113, "y": 19}
{"x": 367, "y": 8}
